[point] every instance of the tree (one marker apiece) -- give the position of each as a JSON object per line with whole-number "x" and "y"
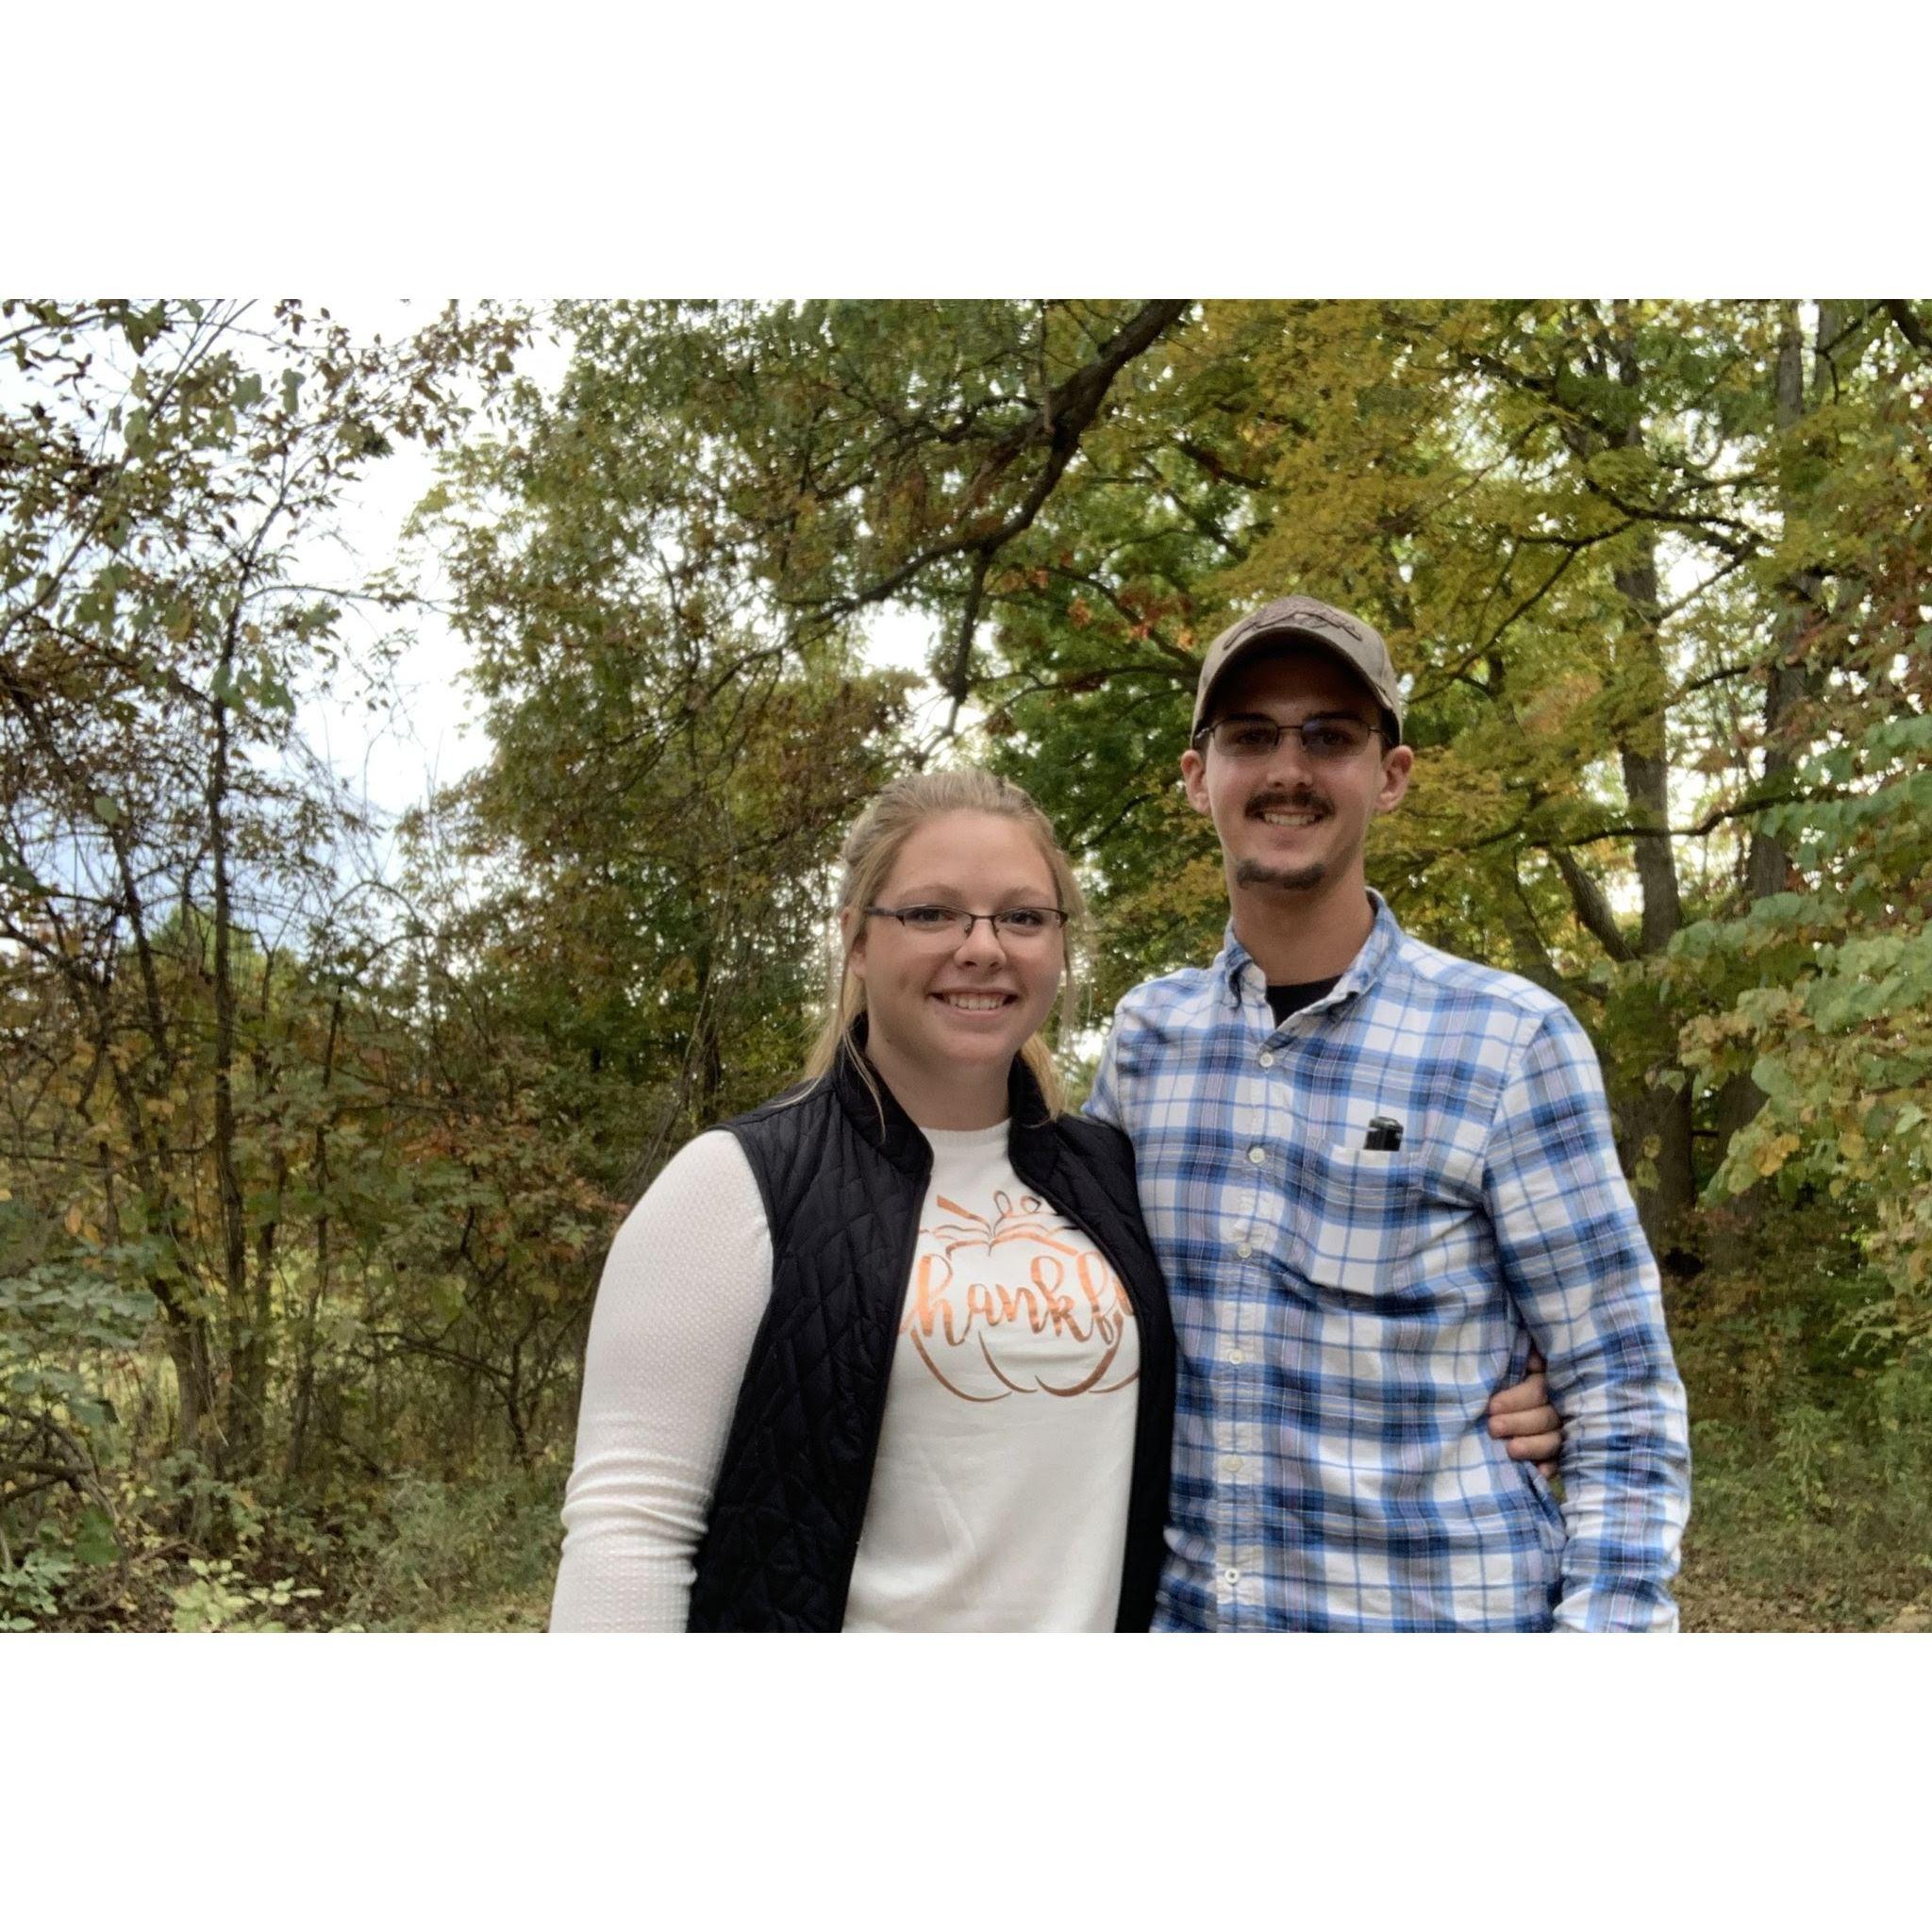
{"x": 1830, "y": 1025}
{"x": 159, "y": 833}
{"x": 676, "y": 753}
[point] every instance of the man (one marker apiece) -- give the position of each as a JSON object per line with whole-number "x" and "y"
{"x": 1378, "y": 1176}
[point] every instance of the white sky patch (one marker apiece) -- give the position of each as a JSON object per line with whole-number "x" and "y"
{"x": 395, "y": 734}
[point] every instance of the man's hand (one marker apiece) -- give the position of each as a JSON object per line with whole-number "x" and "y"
{"x": 1523, "y": 1417}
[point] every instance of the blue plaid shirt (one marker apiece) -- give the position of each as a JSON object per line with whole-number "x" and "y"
{"x": 1344, "y": 1316}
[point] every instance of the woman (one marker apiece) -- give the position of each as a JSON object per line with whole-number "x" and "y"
{"x": 892, "y": 1351}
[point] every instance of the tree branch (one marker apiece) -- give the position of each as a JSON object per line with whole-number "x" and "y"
{"x": 1910, "y": 325}
{"x": 1060, "y": 421}
{"x": 1199, "y": 454}
{"x": 1705, "y": 826}
{"x": 1592, "y": 908}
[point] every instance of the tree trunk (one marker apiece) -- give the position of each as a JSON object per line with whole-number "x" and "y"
{"x": 1659, "y": 1116}
{"x": 318, "y": 1289}
{"x": 303, "y": 1402}
{"x": 707, "y": 1061}
{"x": 1768, "y": 865}
{"x": 228, "y": 1179}
{"x": 514, "y": 1403}
{"x": 249, "y": 1371}
{"x": 190, "y": 1350}
{"x": 1529, "y": 955}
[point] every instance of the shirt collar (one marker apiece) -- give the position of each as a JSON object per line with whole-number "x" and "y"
{"x": 1235, "y": 969}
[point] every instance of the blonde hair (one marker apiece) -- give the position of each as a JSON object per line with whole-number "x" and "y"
{"x": 871, "y": 850}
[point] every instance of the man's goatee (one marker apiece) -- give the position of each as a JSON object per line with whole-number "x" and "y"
{"x": 1300, "y": 878}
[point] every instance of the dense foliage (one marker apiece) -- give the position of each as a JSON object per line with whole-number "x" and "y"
{"x": 306, "y": 1169}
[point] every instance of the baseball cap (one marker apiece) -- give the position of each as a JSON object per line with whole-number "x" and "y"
{"x": 1308, "y": 620}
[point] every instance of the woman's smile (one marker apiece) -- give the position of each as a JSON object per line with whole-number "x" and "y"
{"x": 975, "y": 1002}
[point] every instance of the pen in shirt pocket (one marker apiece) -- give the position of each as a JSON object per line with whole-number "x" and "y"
{"x": 1384, "y": 1137}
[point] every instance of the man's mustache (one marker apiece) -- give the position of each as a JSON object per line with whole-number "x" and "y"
{"x": 1300, "y": 801}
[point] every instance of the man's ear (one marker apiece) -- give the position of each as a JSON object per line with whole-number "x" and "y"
{"x": 1396, "y": 770}
{"x": 1195, "y": 778}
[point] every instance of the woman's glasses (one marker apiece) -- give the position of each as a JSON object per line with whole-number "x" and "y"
{"x": 1018, "y": 925}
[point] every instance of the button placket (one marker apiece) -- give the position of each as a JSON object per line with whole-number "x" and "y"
{"x": 1260, "y": 1093}
{"x": 1228, "y": 1432}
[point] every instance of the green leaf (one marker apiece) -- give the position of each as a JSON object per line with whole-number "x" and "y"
{"x": 16, "y": 873}
{"x": 271, "y": 693}
{"x": 94, "y": 1540}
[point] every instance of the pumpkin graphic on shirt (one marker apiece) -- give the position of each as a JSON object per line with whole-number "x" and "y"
{"x": 1015, "y": 1303}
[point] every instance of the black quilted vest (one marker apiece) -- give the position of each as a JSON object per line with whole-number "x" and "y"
{"x": 842, "y": 1190}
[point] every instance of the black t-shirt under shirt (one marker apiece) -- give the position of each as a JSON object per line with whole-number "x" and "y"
{"x": 1291, "y": 999}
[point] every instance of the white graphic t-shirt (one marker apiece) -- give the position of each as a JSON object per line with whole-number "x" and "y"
{"x": 999, "y": 1500}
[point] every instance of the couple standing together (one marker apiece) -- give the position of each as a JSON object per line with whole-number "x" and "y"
{"x": 1250, "y": 1344}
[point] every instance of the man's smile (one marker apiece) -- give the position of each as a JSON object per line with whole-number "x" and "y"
{"x": 1276, "y": 812}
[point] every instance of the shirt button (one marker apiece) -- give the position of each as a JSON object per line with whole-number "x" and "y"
{"x": 1237, "y": 1355}
{"x": 1230, "y": 1576}
{"x": 1242, "y": 1249}
{"x": 1231, "y": 1465}
{"x": 1266, "y": 1058}
{"x": 1258, "y": 1155}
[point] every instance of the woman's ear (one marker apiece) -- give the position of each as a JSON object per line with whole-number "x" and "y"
{"x": 852, "y": 937}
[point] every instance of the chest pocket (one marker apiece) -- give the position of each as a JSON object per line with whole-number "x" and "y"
{"x": 1359, "y": 1215}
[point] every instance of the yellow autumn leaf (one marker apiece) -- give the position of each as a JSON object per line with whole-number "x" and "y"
{"x": 1775, "y": 1153}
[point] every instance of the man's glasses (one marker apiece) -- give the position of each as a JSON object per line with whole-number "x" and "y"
{"x": 1325, "y": 740}
{"x": 1018, "y": 925}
